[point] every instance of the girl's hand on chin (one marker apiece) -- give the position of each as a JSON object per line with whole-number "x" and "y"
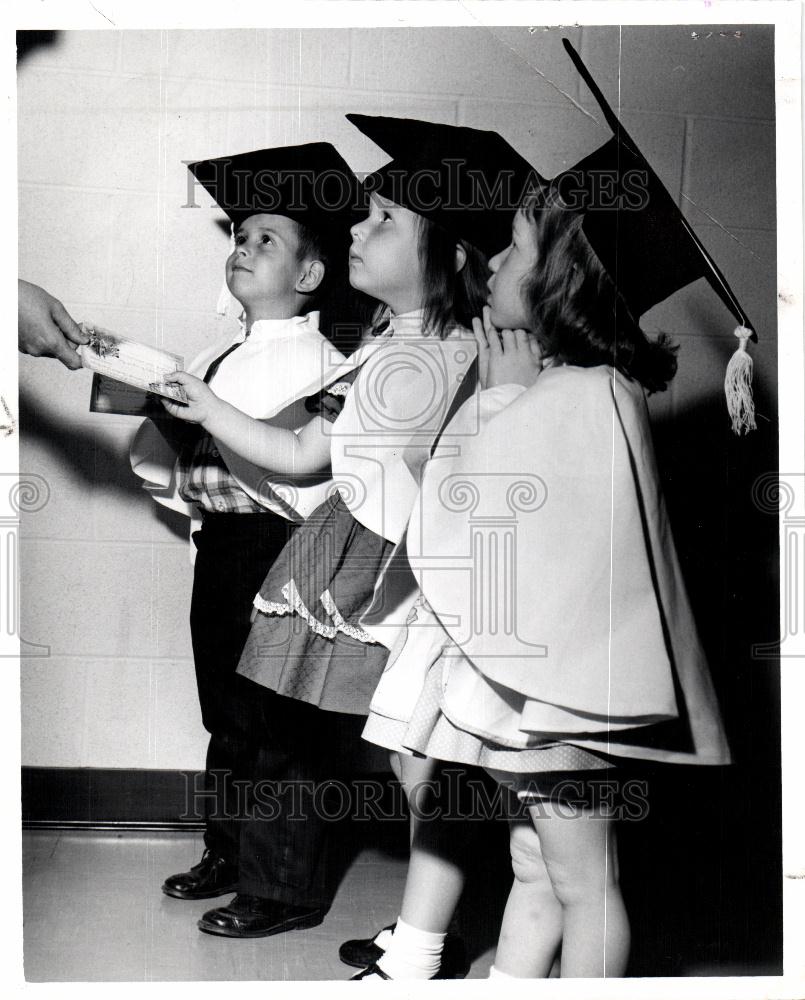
{"x": 200, "y": 403}
{"x": 505, "y": 357}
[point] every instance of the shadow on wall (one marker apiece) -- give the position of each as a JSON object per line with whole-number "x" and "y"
{"x": 87, "y": 456}
{"x": 30, "y": 41}
{"x": 702, "y": 871}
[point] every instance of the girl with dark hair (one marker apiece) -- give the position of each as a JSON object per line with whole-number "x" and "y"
{"x": 396, "y": 397}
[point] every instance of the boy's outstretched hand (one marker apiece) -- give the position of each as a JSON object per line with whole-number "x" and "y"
{"x": 201, "y": 400}
{"x": 505, "y": 357}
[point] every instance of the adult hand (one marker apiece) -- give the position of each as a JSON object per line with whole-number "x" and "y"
{"x": 505, "y": 357}
{"x": 45, "y": 328}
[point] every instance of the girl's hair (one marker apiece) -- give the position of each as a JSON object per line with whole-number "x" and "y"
{"x": 345, "y": 312}
{"x": 576, "y": 311}
{"x": 450, "y": 297}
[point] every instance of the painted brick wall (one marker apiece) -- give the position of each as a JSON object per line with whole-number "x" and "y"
{"x": 105, "y": 121}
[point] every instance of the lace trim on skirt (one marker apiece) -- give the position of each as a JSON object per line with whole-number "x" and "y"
{"x": 294, "y": 604}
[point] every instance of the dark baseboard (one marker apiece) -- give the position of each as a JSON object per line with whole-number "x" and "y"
{"x": 107, "y": 798}
{"x": 101, "y": 798}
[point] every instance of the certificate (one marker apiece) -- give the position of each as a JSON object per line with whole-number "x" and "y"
{"x": 130, "y": 362}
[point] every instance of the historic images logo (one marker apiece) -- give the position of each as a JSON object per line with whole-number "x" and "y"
{"x": 23, "y": 494}
{"x": 783, "y": 495}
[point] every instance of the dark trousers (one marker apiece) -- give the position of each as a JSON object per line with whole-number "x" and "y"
{"x": 257, "y": 739}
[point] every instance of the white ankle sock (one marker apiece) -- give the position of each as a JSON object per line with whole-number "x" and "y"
{"x": 497, "y": 974}
{"x": 412, "y": 953}
{"x": 383, "y": 938}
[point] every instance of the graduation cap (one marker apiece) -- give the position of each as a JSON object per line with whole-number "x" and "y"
{"x": 470, "y": 182}
{"x": 311, "y": 184}
{"x": 644, "y": 242}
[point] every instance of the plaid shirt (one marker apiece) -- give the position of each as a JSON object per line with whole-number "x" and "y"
{"x": 205, "y": 480}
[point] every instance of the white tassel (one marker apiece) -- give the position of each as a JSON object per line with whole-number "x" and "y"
{"x": 225, "y": 297}
{"x": 738, "y": 385}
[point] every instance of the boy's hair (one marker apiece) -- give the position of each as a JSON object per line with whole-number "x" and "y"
{"x": 576, "y": 311}
{"x": 344, "y": 312}
{"x": 451, "y": 297}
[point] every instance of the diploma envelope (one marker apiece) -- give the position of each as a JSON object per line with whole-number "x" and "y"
{"x": 126, "y": 371}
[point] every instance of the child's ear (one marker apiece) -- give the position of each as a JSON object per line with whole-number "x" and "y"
{"x": 461, "y": 257}
{"x": 311, "y": 277}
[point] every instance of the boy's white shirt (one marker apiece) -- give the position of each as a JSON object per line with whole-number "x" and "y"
{"x": 277, "y": 366}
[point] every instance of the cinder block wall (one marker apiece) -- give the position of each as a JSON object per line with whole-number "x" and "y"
{"x": 106, "y": 119}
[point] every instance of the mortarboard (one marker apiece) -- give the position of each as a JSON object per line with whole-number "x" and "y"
{"x": 644, "y": 242}
{"x": 470, "y": 182}
{"x": 311, "y": 184}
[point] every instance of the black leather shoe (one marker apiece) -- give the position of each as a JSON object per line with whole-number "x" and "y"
{"x": 254, "y": 916}
{"x": 454, "y": 965}
{"x": 212, "y": 876}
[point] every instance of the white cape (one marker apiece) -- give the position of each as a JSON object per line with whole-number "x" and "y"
{"x": 544, "y": 549}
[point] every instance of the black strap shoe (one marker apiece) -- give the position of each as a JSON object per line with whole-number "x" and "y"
{"x": 455, "y": 962}
{"x": 361, "y": 952}
{"x": 212, "y": 876}
{"x": 369, "y": 972}
{"x": 254, "y": 916}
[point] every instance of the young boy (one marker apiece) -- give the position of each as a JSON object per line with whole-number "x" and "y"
{"x": 291, "y": 210}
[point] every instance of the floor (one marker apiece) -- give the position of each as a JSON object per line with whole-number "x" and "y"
{"x": 93, "y": 912}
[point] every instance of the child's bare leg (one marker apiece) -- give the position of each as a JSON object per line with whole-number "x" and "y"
{"x": 580, "y": 856}
{"x": 435, "y": 878}
{"x": 433, "y": 885}
{"x": 531, "y": 931}
{"x": 395, "y": 762}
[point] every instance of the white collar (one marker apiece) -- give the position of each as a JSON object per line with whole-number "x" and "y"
{"x": 406, "y": 324}
{"x": 274, "y": 329}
